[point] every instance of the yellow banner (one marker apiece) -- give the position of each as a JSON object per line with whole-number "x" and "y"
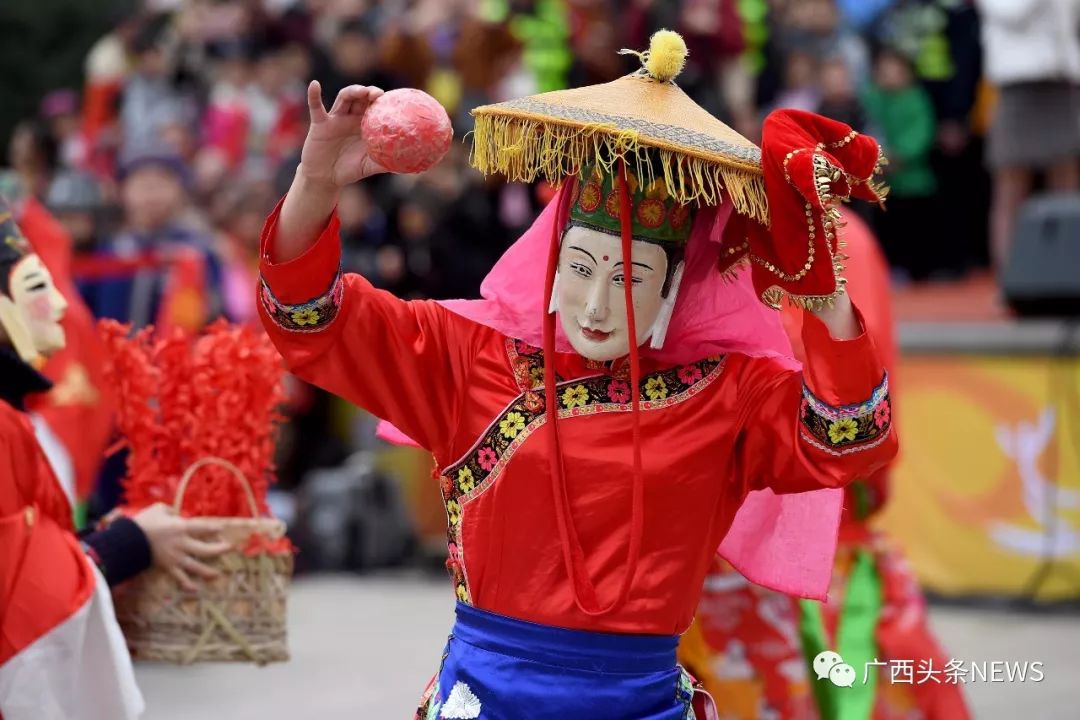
{"x": 986, "y": 494}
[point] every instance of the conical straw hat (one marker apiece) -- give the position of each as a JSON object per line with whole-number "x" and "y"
{"x": 553, "y": 134}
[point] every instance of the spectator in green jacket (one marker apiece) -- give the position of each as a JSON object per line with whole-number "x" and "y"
{"x": 901, "y": 114}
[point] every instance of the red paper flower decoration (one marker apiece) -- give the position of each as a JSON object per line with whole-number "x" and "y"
{"x": 182, "y": 398}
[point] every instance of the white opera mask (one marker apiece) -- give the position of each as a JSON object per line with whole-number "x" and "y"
{"x": 31, "y": 307}
{"x": 590, "y": 298}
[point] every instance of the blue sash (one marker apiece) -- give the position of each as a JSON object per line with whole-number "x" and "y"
{"x": 498, "y": 668}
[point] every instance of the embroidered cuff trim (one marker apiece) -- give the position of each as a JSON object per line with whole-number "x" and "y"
{"x": 847, "y": 426}
{"x": 313, "y": 316}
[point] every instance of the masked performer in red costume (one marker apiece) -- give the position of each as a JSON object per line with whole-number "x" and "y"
{"x": 61, "y": 651}
{"x": 62, "y": 656}
{"x": 579, "y": 539}
{"x": 73, "y": 419}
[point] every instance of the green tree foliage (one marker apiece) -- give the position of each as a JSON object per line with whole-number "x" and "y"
{"x": 42, "y": 47}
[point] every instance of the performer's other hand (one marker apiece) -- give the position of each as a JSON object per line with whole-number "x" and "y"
{"x": 180, "y": 545}
{"x": 335, "y": 153}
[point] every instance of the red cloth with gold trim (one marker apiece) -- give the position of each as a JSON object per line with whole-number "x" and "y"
{"x": 811, "y": 164}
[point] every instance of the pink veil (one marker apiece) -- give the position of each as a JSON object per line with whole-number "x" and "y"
{"x": 712, "y": 315}
{"x": 783, "y": 542}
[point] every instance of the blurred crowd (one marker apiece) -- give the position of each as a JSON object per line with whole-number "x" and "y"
{"x": 165, "y": 156}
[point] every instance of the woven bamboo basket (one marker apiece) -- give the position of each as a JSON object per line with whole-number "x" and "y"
{"x": 238, "y": 617}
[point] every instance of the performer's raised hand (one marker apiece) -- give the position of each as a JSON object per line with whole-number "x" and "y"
{"x": 335, "y": 152}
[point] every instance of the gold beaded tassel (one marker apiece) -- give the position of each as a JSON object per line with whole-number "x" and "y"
{"x": 825, "y": 175}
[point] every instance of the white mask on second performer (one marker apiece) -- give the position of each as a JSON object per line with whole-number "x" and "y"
{"x": 31, "y": 314}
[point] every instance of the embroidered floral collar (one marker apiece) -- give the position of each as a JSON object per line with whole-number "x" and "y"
{"x": 570, "y": 366}
{"x": 583, "y": 393}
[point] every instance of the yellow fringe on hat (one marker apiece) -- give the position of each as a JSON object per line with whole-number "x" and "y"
{"x": 523, "y": 148}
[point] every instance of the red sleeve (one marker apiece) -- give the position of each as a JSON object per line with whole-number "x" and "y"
{"x": 823, "y": 427}
{"x": 406, "y": 362}
{"x": 869, "y": 287}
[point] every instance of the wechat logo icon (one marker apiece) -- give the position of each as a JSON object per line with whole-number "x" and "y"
{"x": 829, "y": 665}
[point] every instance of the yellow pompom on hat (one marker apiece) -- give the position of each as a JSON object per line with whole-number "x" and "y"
{"x": 643, "y": 118}
{"x": 666, "y": 56}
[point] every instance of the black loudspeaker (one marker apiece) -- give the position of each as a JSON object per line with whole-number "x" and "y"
{"x": 1042, "y": 276}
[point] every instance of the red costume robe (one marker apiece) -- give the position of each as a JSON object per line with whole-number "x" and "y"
{"x": 62, "y": 656}
{"x": 711, "y": 431}
{"x": 36, "y": 531}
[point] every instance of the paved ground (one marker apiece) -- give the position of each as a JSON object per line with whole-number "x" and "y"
{"x": 363, "y": 648}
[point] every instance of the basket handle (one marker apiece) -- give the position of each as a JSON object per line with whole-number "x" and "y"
{"x": 178, "y": 501}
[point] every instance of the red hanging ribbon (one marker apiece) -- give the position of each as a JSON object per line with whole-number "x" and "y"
{"x": 585, "y": 594}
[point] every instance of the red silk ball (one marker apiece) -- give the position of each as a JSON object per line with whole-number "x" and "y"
{"x": 407, "y": 131}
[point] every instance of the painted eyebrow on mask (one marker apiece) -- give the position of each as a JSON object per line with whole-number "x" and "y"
{"x": 639, "y": 264}
{"x": 575, "y": 247}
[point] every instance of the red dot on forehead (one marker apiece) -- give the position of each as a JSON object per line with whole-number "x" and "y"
{"x": 605, "y": 258}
